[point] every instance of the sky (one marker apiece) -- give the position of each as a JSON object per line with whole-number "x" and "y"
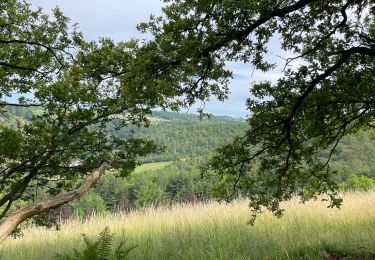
{"x": 117, "y": 19}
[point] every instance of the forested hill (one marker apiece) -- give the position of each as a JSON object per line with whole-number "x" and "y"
{"x": 185, "y": 136}
{"x": 174, "y": 174}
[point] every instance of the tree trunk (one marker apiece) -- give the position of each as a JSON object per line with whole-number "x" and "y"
{"x": 20, "y": 215}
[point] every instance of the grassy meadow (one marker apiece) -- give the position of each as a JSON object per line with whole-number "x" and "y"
{"x": 219, "y": 231}
{"x": 151, "y": 166}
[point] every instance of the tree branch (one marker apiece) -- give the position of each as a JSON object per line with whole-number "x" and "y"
{"x": 16, "y": 218}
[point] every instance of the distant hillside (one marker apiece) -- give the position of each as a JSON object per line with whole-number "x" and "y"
{"x": 186, "y": 117}
{"x": 14, "y": 114}
{"x": 355, "y": 155}
{"x": 174, "y": 176}
{"x": 186, "y": 136}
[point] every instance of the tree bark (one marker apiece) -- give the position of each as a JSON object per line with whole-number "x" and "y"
{"x": 20, "y": 215}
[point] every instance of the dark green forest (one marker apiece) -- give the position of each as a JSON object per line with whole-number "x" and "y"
{"x": 174, "y": 176}
{"x": 186, "y": 136}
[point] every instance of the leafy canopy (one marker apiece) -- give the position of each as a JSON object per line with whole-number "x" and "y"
{"x": 326, "y": 90}
{"x": 73, "y": 88}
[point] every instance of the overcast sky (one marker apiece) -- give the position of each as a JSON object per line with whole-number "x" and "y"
{"x": 117, "y": 19}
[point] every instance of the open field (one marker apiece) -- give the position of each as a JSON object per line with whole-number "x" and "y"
{"x": 219, "y": 231}
{"x": 151, "y": 166}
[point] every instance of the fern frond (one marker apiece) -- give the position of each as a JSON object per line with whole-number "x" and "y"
{"x": 101, "y": 249}
{"x": 104, "y": 244}
{"x": 87, "y": 240}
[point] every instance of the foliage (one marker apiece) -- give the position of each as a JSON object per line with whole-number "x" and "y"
{"x": 185, "y": 135}
{"x": 112, "y": 190}
{"x": 101, "y": 249}
{"x": 74, "y": 89}
{"x": 170, "y": 184}
{"x": 90, "y": 201}
{"x": 80, "y": 88}
{"x": 147, "y": 194}
{"x": 172, "y": 181}
{"x": 158, "y": 186}
{"x": 326, "y": 90}
{"x": 357, "y": 183}
{"x": 353, "y": 155}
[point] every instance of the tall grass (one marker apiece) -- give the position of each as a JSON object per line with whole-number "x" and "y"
{"x": 218, "y": 231}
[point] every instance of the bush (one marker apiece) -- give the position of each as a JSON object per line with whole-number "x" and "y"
{"x": 91, "y": 202}
{"x": 147, "y": 194}
{"x": 358, "y": 183}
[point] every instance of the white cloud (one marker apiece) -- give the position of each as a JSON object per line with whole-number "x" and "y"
{"x": 105, "y": 18}
{"x": 117, "y": 19}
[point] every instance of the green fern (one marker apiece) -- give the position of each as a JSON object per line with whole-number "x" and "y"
{"x": 101, "y": 249}
{"x": 104, "y": 245}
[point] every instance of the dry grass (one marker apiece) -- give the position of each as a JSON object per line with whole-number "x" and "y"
{"x": 218, "y": 231}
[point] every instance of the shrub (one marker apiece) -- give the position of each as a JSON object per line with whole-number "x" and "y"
{"x": 148, "y": 194}
{"x": 90, "y": 202}
{"x": 357, "y": 183}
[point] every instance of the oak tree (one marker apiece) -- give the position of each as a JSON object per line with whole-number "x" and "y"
{"x": 79, "y": 94}
{"x": 325, "y": 92}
